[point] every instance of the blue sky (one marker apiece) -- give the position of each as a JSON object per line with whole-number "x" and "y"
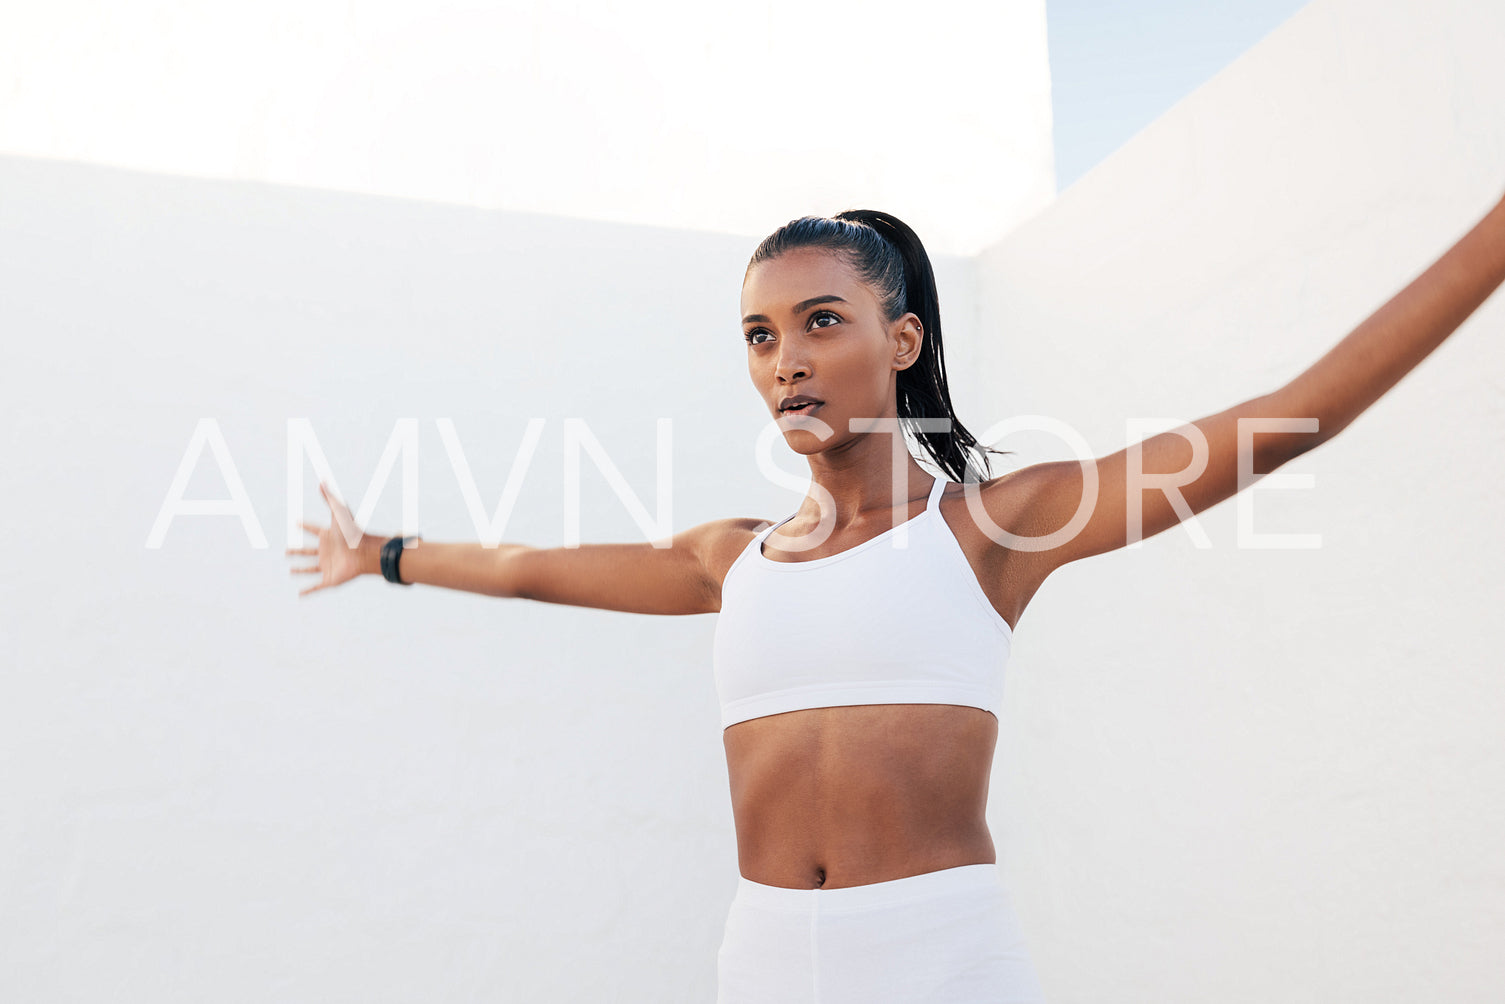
{"x": 1116, "y": 67}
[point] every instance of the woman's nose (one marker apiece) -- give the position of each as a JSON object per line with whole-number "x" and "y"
{"x": 791, "y": 366}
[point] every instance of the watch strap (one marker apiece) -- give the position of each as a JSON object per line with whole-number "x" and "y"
{"x": 391, "y": 555}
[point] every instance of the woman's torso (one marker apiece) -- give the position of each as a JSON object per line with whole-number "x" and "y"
{"x": 841, "y": 796}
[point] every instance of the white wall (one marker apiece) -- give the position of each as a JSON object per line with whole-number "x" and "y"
{"x": 1245, "y": 775}
{"x": 217, "y": 791}
{"x": 721, "y": 117}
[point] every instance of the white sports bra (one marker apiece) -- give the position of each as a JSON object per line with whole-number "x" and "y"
{"x": 898, "y": 619}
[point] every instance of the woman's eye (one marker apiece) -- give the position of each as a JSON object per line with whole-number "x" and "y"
{"x": 748, "y": 337}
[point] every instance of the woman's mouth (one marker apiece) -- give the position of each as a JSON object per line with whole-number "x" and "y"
{"x": 800, "y": 409}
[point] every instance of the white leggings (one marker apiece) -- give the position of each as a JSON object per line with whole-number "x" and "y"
{"x": 948, "y": 937}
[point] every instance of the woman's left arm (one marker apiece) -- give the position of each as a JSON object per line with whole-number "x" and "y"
{"x": 1394, "y": 339}
{"x": 1134, "y": 498}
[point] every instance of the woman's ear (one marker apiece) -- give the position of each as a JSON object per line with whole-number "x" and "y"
{"x": 909, "y": 339}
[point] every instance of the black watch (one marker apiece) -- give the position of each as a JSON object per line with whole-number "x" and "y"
{"x": 391, "y": 551}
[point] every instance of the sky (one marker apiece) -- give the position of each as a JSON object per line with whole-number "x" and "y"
{"x": 1116, "y": 67}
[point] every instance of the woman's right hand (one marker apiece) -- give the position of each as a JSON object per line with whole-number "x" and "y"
{"x": 338, "y": 561}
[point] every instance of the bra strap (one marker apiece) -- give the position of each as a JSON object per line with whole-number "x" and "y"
{"x": 934, "y": 502}
{"x": 770, "y": 529}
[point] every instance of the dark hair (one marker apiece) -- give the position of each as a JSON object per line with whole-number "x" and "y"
{"x": 888, "y": 256}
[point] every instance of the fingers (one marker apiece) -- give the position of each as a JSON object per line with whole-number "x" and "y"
{"x": 313, "y": 551}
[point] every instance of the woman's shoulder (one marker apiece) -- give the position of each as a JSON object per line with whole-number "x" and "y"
{"x": 994, "y": 519}
{"x": 721, "y": 541}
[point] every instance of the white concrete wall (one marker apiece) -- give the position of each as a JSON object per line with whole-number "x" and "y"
{"x": 214, "y": 790}
{"x": 1244, "y": 775}
{"x": 729, "y": 118}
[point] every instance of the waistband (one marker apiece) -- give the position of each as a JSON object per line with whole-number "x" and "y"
{"x": 926, "y": 885}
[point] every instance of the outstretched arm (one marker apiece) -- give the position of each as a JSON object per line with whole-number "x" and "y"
{"x": 1161, "y": 476}
{"x": 1394, "y": 339}
{"x": 682, "y": 577}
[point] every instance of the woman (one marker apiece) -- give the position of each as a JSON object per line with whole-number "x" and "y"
{"x": 860, "y": 646}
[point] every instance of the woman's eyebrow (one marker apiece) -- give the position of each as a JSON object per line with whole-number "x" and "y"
{"x": 799, "y": 308}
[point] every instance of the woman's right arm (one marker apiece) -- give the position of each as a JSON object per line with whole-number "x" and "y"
{"x": 682, "y": 578}
{"x": 633, "y": 578}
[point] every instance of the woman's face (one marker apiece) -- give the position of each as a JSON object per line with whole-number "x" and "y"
{"x": 813, "y": 328}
